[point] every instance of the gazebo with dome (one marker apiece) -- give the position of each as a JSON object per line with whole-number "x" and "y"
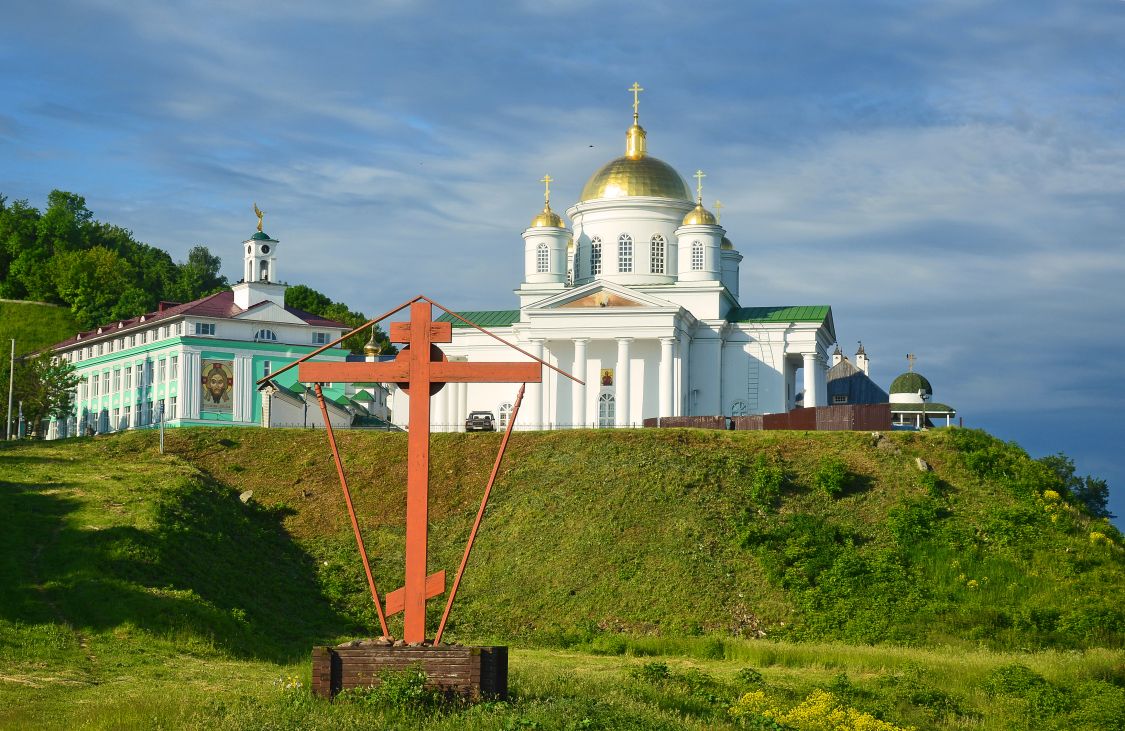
{"x": 912, "y": 405}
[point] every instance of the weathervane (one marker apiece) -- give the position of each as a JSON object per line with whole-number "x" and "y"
{"x": 259, "y": 213}
{"x": 636, "y": 89}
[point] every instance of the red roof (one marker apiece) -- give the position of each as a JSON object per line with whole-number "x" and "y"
{"x": 219, "y": 305}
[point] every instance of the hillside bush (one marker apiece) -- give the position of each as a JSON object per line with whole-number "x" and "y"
{"x": 832, "y": 477}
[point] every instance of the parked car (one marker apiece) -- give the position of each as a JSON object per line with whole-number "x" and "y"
{"x": 480, "y": 421}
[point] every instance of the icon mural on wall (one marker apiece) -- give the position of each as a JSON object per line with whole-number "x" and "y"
{"x": 217, "y": 390}
{"x": 607, "y": 376}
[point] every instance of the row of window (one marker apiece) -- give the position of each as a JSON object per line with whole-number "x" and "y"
{"x": 110, "y": 382}
{"x": 160, "y": 333}
{"x": 624, "y": 256}
{"x": 145, "y": 413}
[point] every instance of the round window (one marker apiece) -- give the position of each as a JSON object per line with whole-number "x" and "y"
{"x": 249, "y": 249}
{"x": 265, "y": 248}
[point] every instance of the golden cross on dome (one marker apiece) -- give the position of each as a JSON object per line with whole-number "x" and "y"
{"x": 636, "y": 89}
{"x": 699, "y": 176}
{"x": 718, "y": 211}
{"x": 546, "y": 180}
{"x": 911, "y": 358}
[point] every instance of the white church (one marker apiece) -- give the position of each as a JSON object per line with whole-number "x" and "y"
{"x": 638, "y": 297}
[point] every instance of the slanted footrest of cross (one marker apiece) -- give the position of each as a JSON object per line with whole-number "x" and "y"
{"x": 435, "y": 586}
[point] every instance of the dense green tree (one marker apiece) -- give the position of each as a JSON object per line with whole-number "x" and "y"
{"x": 308, "y": 299}
{"x": 198, "y": 276}
{"x": 18, "y": 225}
{"x": 1091, "y": 492}
{"x": 45, "y": 387}
{"x": 98, "y": 284}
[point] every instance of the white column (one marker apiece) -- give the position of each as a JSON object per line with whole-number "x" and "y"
{"x": 534, "y": 394}
{"x": 462, "y": 405}
{"x": 821, "y": 382}
{"x": 665, "y": 402}
{"x": 579, "y": 389}
{"x": 810, "y": 366}
{"x": 683, "y": 408}
{"x": 547, "y": 391}
{"x": 192, "y": 365}
{"x": 439, "y": 409}
{"x": 621, "y": 382}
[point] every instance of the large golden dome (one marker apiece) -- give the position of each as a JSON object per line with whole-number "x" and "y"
{"x": 628, "y": 176}
{"x": 636, "y": 173}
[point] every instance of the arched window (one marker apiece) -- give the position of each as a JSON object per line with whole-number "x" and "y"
{"x": 264, "y": 334}
{"x": 595, "y": 256}
{"x": 696, "y": 256}
{"x": 505, "y": 412}
{"x": 607, "y": 410}
{"x": 542, "y": 259}
{"x": 265, "y": 271}
{"x": 657, "y": 254}
{"x": 624, "y": 253}
{"x": 577, "y": 260}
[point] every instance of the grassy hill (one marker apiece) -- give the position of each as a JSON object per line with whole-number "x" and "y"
{"x": 34, "y": 325}
{"x": 768, "y": 571}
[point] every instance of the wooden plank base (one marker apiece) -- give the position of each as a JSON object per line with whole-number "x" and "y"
{"x": 470, "y": 672}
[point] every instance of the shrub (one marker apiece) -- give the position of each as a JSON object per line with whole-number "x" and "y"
{"x": 832, "y": 477}
{"x": 396, "y": 689}
{"x": 749, "y": 676}
{"x": 766, "y": 479}
{"x": 913, "y": 520}
{"x": 650, "y": 672}
{"x": 1019, "y": 681}
{"x": 608, "y": 644}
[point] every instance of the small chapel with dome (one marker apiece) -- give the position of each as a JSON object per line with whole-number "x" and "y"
{"x": 638, "y": 296}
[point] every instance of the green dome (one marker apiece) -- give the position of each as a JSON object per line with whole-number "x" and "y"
{"x": 912, "y": 383}
{"x": 259, "y": 236}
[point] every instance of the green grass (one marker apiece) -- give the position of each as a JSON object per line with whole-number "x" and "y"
{"x": 34, "y": 325}
{"x": 137, "y": 591}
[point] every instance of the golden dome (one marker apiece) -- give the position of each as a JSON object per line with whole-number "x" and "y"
{"x": 547, "y": 218}
{"x": 628, "y": 176}
{"x": 726, "y": 244}
{"x": 370, "y": 348}
{"x": 699, "y": 216}
{"x": 636, "y": 174}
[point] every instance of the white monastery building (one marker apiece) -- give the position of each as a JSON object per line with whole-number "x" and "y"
{"x": 199, "y": 363}
{"x": 639, "y": 297}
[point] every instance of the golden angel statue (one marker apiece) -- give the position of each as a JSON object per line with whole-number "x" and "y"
{"x": 259, "y": 214}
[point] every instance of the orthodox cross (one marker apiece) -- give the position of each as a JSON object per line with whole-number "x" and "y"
{"x": 546, "y": 180}
{"x": 910, "y": 357}
{"x": 699, "y": 176}
{"x": 636, "y": 89}
{"x": 421, "y": 370}
{"x": 718, "y": 211}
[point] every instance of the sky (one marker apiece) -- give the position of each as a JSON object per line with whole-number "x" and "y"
{"x": 948, "y": 176}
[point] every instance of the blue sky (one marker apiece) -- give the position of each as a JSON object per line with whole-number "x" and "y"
{"x": 949, "y": 176}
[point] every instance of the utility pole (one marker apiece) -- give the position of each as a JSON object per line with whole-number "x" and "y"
{"x": 11, "y": 381}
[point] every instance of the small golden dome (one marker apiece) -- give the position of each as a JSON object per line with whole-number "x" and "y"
{"x": 547, "y": 218}
{"x": 371, "y": 348}
{"x": 726, "y": 244}
{"x": 699, "y": 216}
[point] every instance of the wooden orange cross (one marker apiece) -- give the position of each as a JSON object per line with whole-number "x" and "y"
{"x": 421, "y": 370}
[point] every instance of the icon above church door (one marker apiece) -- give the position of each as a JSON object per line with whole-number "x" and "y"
{"x": 607, "y": 376}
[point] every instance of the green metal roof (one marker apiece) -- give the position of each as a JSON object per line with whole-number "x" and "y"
{"x": 259, "y": 236}
{"x": 484, "y": 318}
{"x": 926, "y": 408}
{"x": 792, "y": 313}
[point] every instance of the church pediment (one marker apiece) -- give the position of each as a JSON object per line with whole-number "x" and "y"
{"x": 601, "y": 295}
{"x": 269, "y": 312}
{"x": 602, "y": 299}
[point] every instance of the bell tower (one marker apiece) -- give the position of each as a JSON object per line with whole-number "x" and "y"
{"x": 259, "y": 270}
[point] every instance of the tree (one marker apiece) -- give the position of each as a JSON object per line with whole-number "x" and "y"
{"x": 45, "y": 385}
{"x": 98, "y": 284}
{"x": 308, "y": 299}
{"x": 1091, "y": 492}
{"x": 198, "y": 276}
